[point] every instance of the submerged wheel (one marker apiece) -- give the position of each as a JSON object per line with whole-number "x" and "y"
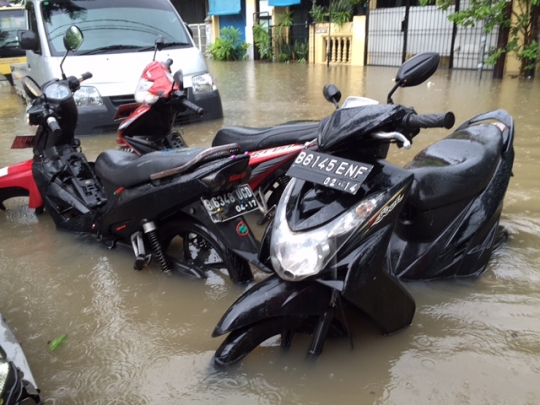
{"x": 241, "y": 342}
{"x": 193, "y": 244}
{"x": 274, "y": 190}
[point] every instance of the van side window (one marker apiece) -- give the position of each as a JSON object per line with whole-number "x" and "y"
{"x": 32, "y": 23}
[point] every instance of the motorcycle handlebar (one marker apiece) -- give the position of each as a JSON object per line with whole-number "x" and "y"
{"x": 188, "y": 104}
{"x": 53, "y": 125}
{"x": 444, "y": 120}
{"x": 168, "y": 63}
{"x": 85, "y": 76}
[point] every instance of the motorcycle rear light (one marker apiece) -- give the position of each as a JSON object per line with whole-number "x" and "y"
{"x": 236, "y": 177}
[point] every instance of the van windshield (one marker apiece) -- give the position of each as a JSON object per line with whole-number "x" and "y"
{"x": 10, "y": 22}
{"x": 113, "y": 26}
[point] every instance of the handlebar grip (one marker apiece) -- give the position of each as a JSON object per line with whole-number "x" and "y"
{"x": 168, "y": 63}
{"x": 85, "y": 76}
{"x": 193, "y": 107}
{"x": 444, "y": 120}
{"x": 53, "y": 125}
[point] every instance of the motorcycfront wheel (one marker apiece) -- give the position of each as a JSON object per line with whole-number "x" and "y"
{"x": 241, "y": 342}
{"x": 192, "y": 243}
{"x": 272, "y": 191}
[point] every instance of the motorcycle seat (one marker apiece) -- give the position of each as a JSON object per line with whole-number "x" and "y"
{"x": 456, "y": 167}
{"x": 127, "y": 169}
{"x": 255, "y": 138}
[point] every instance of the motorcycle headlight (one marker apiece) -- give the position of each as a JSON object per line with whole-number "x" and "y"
{"x": 203, "y": 83}
{"x": 57, "y": 91}
{"x": 142, "y": 95}
{"x": 297, "y": 255}
{"x": 87, "y": 96}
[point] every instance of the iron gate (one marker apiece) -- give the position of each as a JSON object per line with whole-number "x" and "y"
{"x": 396, "y": 34}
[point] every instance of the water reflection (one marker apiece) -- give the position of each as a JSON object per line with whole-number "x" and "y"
{"x": 144, "y": 338}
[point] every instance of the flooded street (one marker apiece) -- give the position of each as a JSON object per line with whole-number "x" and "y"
{"x": 145, "y": 337}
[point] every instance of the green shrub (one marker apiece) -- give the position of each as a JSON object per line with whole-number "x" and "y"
{"x": 262, "y": 40}
{"x": 229, "y": 46}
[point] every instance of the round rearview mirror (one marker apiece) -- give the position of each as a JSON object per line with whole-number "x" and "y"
{"x": 31, "y": 88}
{"x": 73, "y": 38}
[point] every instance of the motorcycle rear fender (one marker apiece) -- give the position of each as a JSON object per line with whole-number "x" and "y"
{"x": 272, "y": 298}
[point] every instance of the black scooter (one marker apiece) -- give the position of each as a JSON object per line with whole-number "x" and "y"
{"x": 350, "y": 224}
{"x": 197, "y": 195}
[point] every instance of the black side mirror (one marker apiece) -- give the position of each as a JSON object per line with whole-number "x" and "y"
{"x": 159, "y": 45}
{"x": 28, "y": 40}
{"x": 179, "y": 79}
{"x": 332, "y": 94}
{"x": 73, "y": 38}
{"x": 415, "y": 71}
{"x": 418, "y": 69}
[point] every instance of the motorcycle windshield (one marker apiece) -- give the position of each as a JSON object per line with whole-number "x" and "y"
{"x": 348, "y": 125}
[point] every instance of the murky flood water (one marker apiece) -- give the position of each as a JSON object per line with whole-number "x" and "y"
{"x": 144, "y": 338}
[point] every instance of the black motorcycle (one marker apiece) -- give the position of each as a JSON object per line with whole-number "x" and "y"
{"x": 17, "y": 384}
{"x": 350, "y": 225}
{"x": 146, "y": 201}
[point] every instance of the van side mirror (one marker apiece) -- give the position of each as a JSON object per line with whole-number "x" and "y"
{"x": 28, "y": 40}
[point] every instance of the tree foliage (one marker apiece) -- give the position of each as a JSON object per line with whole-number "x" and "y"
{"x": 521, "y": 21}
{"x": 229, "y": 45}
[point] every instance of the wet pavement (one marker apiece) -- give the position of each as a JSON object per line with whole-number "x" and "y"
{"x": 144, "y": 337}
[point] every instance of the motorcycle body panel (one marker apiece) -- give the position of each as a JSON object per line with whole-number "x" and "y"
{"x": 17, "y": 181}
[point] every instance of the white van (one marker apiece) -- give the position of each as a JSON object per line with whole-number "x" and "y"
{"x": 119, "y": 37}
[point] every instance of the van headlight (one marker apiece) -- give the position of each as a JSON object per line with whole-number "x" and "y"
{"x": 87, "y": 96}
{"x": 297, "y": 255}
{"x": 203, "y": 83}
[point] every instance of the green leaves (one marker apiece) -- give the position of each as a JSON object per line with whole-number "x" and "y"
{"x": 497, "y": 13}
{"x": 229, "y": 46}
{"x": 54, "y": 344}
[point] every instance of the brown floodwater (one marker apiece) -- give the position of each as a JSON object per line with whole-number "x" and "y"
{"x": 144, "y": 337}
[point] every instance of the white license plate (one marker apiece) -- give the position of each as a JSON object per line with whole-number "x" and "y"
{"x": 225, "y": 206}
{"x": 330, "y": 171}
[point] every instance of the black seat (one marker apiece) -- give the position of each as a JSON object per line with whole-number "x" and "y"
{"x": 455, "y": 167}
{"x": 127, "y": 169}
{"x": 251, "y": 139}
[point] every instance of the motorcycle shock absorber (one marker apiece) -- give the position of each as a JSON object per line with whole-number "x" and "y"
{"x": 149, "y": 228}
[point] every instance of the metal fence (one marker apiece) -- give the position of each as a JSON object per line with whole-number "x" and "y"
{"x": 395, "y": 34}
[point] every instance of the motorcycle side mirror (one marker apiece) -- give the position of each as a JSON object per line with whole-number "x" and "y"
{"x": 159, "y": 45}
{"x": 31, "y": 88}
{"x": 415, "y": 71}
{"x": 73, "y": 39}
{"x": 332, "y": 94}
{"x": 179, "y": 79}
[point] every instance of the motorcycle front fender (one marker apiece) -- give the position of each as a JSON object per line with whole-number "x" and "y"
{"x": 272, "y": 298}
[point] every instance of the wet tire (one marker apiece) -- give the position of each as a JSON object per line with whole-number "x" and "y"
{"x": 241, "y": 342}
{"x": 275, "y": 190}
{"x": 193, "y": 244}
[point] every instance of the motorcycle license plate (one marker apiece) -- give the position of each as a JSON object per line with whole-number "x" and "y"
{"x": 330, "y": 171}
{"x": 225, "y": 206}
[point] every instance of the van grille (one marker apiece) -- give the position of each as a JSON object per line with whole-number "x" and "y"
{"x": 119, "y": 100}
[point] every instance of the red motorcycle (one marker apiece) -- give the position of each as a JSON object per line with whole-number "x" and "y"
{"x": 148, "y": 126}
